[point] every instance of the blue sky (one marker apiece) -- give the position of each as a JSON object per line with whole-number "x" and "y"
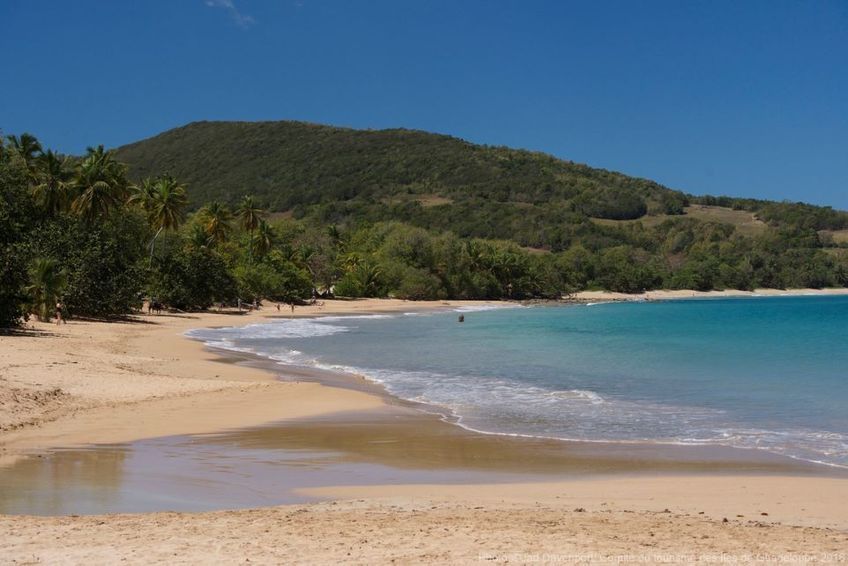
{"x": 743, "y": 98}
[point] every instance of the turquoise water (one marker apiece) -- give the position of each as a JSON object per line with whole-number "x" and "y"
{"x": 767, "y": 373}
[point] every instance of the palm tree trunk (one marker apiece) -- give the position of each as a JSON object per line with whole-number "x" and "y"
{"x": 153, "y": 243}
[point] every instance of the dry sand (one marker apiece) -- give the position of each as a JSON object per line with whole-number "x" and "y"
{"x": 407, "y": 530}
{"x": 59, "y": 385}
{"x": 90, "y": 382}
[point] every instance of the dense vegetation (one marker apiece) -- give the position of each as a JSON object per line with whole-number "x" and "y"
{"x": 391, "y": 213}
{"x": 332, "y": 174}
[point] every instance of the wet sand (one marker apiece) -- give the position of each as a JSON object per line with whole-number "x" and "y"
{"x": 404, "y": 433}
{"x": 293, "y": 460}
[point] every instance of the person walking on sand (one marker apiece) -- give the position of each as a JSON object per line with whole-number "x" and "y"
{"x": 59, "y": 308}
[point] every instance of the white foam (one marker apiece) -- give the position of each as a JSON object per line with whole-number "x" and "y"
{"x": 294, "y": 328}
{"x": 513, "y": 407}
{"x": 481, "y": 308}
{"x": 342, "y": 318}
{"x": 577, "y": 394}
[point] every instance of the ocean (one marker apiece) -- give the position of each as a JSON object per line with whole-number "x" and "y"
{"x": 768, "y": 373}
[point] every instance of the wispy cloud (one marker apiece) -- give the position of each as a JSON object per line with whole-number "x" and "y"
{"x": 243, "y": 21}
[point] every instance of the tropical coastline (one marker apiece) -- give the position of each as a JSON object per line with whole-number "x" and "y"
{"x": 423, "y": 283}
{"x": 151, "y": 362}
{"x": 159, "y": 383}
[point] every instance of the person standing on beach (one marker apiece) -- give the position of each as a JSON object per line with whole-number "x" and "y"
{"x": 59, "y": 308}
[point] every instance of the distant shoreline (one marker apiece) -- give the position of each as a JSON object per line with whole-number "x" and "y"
{"x": 665, "y": 295}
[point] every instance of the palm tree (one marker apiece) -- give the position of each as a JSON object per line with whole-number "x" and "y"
{"x": 47, "y": 282}
{"x": 263, "y": 240}
{"x": 351, "y": 261}
{"x": 197, "y": 236}
{"x": 336, "y": 237}
{"x": 249, "y": 216}
{"x": 102, "y": 185}
{"x": 164, "y": 202}
{"x": 53, "y": 182}
{"x": 368, "y": 276}
{"x": 303, "y": 255}
{"x": 28, "y": 147}
{"x": 476, "y": 254}
{"x": 507, "y": 266}
{"x": 142, "y": 195}
{"x": 216, "y": 219}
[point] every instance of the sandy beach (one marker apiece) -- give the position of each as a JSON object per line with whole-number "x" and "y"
{"x": 95, "y": 382}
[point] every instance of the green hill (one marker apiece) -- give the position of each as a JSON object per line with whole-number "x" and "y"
{"x": 426, "y": 179}
{"x": 344, "y": 176}
{"x": 594, "y": 227}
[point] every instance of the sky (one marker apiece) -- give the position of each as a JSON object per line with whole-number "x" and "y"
{"x": 722, "y": 97}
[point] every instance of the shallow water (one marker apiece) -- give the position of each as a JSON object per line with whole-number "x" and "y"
{"x": 274, "y": 464}
{"x": 766, "y": 373}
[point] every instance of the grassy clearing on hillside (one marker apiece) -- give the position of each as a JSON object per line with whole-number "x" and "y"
{"x": 838, "y": 236}
{"x": 746, "y": 223}
{"x": 425, "y": 200}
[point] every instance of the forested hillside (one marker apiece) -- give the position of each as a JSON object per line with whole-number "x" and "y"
{"x": 346, "y": 177}
{"x": 335, "y": 175}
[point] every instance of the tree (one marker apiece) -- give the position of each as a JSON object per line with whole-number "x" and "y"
{"x": 196, "y": 237}
{"x": 216, "y": 220}
{"x": 363, "y": 280}
{"x": 16, "y": 219}
{"x": 101, "y": 260}
{"x": 263, "y": 240}
{"x": 192, "y": 278}
{"x": 101, "y": 184}
{"x": 249, "y": 216}
{"x": 29, "y": 148}
{"x": 336, "y": 237}
{"x": 46, "y": 284}
{"x": 164, "y": 201}
{"x": 141, "y": 195}
{"x": 53, "y": 182}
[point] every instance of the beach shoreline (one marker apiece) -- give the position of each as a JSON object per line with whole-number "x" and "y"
{"x": 152, "y": 381}
{"x": 62, "y": 383}
{"x": 669, "y": 295}
{"x": 149, "y": 366}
